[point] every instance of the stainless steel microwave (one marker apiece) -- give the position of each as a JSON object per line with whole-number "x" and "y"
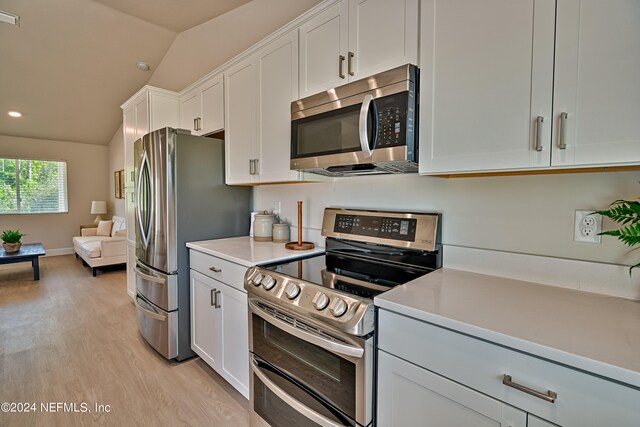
{"x": 365, "y": 127}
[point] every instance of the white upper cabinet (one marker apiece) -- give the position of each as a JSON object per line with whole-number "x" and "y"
{"x": 486, "y": 84}
{"x": 493, "y": 100}
{"x": 202, "y": 108}
{"x": 324, "y": 43}
{"x": 277, "y": 67}
{"x": 354, "y": 39}
{"x": 258, "y": 95}
{"x": 383, "y": 34}
{"x": 597, "y": 83}
{"x": 241, "y": 124}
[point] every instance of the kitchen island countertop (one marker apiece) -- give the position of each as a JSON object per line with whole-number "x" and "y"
{"x": 247, "y": 252}
{"x": 591, "y": 332}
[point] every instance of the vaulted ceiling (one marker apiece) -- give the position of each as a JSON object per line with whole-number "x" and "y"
{"x": 70, "y": 63}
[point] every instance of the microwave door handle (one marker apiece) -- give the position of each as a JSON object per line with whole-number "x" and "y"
{"x": 295, "y": 404}
{"x": 367, "y": 103}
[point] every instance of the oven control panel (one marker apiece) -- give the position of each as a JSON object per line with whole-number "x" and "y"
{"x": 408, "y": 230}
{"x": 376, "y": 226}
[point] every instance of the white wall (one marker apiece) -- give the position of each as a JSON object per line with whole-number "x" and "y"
{"x": 87, "y": 180}
{"x": 203, "y": 48}
{"x": 116, "y": 162}
{"x": 526, "y": 214}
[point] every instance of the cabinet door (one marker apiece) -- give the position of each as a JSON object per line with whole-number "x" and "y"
{"x": 409, "y": 395}
{"x": 486, "y": 77}
{"x": 235, "y": 339}
{"x": 383, "y": 34}
{"x": 129, "y": 134}
{"x": 141, "y": 107}
{"x": 241, "y": 125}
{"x": 597, "y": 82}
{"x": 277, "y": 65}
{"x": 190, "y": 111}
{"x": 323, "y": 40}
{"x": 212, "y": 99}
{"x": 533, "y": 421}
{"x": 206, "y": 337}
{"x": 131, "y": 275}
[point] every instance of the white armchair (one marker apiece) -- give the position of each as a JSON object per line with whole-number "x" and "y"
{"x": 102, "y": 245}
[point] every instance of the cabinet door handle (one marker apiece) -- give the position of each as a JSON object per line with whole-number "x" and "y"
{"x": 195, "y": 124}
{"x": 549, "y": 396}
{"x": 340, "y": 65}
{"x": 213, "y": 297}
{"x": 256, "y": 167}
{"x": 199, "y": 123}
{"x": 215, "y": 269}
{"x": 133, "y": 176}
{"x": 539, "y": 121}
{"x": 350, "y": 63}
{"x": 562, "y": 142}
{"x": 252, "y": 170}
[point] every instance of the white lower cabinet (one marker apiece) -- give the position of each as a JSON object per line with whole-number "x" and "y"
{"x": 461, "y": 380}
{"x": 410, "y": 395}
{"x": 219, "y": 322}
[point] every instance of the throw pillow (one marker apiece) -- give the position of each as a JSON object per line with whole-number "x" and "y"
{"x": 104, "y": 228}
{"x": 121, "y": 233}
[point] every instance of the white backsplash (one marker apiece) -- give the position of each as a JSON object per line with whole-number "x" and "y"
{"x": 521, "y": 214}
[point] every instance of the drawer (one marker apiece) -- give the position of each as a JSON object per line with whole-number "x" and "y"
{"x": 220, "y": 269}
{"x": 582, "y": 399}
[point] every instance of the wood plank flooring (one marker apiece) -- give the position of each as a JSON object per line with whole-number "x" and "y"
{"x": 72, "y": 338}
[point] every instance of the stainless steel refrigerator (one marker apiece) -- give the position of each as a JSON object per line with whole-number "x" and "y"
{"x": 180, "y": 196}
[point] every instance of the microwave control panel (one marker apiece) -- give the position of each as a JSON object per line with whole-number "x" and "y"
{"x": 392, "y": 120}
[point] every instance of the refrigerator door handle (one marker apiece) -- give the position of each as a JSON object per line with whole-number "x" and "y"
{"x": 149, "y": 277}
{"x": 144, "y": 233}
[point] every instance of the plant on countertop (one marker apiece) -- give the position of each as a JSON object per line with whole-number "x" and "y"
{"x": 11, "y": 236}
{"x": 626, "y": 213}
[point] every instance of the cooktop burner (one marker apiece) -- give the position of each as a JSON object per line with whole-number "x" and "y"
{"x": 368, "y": 253}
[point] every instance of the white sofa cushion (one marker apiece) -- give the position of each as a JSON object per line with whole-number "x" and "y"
{"x": 92, "y": 248}
{"x": 119, "y": 227}
{"x": 104, "y": 228}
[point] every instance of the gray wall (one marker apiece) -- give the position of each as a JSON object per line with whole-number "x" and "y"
{"x": 87, "y": 180}
{"x": 116, "y": 162}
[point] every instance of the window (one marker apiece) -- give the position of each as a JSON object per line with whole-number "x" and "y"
{"x": 32, "y": 186}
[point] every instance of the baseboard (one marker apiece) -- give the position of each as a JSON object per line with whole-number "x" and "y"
{"x": 59, "y": 251}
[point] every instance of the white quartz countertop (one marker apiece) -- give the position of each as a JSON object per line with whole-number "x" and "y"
{"x": 595, "y": 333}
{"x": 247, "y": 252}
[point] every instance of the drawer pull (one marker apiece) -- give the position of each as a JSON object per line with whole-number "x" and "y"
{"x": 549, "y": 396}
{"x": 215, "y": 269}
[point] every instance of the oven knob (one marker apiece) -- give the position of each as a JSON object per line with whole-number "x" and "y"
{"x": 339, "y": 307}
{"x": 292, "y": 290}
{"x": 268, "y": 282}
{"x": 320, "y": 301}
{"x": 256, "y": 278}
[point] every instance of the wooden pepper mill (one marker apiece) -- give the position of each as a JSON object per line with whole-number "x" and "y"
{"x": 299, "y": 245}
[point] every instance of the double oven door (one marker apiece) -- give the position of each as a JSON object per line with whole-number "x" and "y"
{"x": 305, "y": 375}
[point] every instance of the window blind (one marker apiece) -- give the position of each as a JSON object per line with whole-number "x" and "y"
{"x": 32, "y": 186}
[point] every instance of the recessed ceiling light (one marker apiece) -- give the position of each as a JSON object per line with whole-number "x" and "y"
{"x": 143, "y": 66}
{"x": 15, "y": 113}
{"x": 9, "y": 18}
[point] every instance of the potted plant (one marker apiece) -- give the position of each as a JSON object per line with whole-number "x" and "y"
{"x": 11, "y": 240}
{"x": 626, "y": 213}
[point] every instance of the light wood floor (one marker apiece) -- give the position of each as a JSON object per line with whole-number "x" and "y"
{"x": 72, "y": 338}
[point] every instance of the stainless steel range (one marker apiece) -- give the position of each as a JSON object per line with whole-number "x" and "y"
{"x": 312, "y": 323}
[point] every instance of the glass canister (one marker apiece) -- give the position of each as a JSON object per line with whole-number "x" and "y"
{"x": 281, "y": 232}
{"x": 263, "y": 226}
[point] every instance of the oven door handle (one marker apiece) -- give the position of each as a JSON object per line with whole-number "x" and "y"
{"x": 342, "y": 349}
{"x": 295, "y": 404}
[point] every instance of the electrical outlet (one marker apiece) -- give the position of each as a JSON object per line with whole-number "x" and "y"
{"x": 276, "y": 208}
{"x": 587, "y": 227}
